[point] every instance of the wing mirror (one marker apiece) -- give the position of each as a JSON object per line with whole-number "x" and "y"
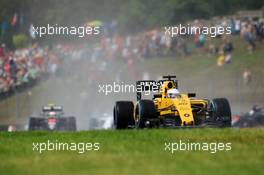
{"x": 157, "y": 95}
{"x": 190, "y": 95}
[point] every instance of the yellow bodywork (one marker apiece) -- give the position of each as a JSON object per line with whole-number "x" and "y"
{"x": 180, "y": 106}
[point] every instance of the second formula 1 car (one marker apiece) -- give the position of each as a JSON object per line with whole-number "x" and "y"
{"x": 169, "y": 108}
{"x": 253, "y": 118}
{"x": 52, "y": 119}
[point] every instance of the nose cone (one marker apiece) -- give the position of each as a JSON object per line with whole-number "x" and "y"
{"x": 183, "y": 105}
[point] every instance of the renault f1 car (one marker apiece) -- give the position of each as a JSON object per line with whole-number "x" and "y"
{"x": 52, "y": 119}
{"x": 169, "y": 108}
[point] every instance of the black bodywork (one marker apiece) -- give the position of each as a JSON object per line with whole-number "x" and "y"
{"x": 52, "y": 118}
{"x": 253, "y": 118}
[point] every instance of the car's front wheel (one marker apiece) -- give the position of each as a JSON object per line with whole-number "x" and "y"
{"x": 221, "y": 112}
{"x": 145, "y": 111}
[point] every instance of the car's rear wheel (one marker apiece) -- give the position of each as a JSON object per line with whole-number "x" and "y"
{"x": 123, "y": 114}
{"x": 221, "y": 112}
{"x": 145, "y": 111}
{"x": 71, "y": 124}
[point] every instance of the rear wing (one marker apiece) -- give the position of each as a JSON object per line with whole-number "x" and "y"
{"x": 52, "y": 108}
{"x": 150, "y": 86}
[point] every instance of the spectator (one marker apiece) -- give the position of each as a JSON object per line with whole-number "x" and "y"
{"x": 221, "y": 59}
{"x": 247, "y": 76}
{"x": 227, "y": 49}
{"x": 247, "y": 34}
{"x": 260, "y": 31}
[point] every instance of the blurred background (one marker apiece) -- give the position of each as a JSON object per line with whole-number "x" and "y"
{"x": 132, "y": 45}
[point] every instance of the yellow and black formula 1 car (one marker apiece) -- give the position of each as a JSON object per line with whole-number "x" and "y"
{"x": 170, "y": 109}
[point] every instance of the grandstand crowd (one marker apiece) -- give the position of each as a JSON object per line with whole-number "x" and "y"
{"x": 23, "y": 66}
{"x": 156, "y": 43}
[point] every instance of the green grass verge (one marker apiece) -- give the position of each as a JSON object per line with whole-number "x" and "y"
{"x": 134, "y": 152}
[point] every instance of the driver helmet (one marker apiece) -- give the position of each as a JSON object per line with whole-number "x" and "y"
{"x": 173, "y": 93}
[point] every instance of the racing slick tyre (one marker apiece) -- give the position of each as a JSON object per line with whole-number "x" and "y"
{"x": 123, "y": 114}
{"x": 221, "y": 112}
{"x": 36, "y": 124}
{"x": 145, "y": 110}
{"x": 66, "y": 124}
{"x": 71, "y": 124}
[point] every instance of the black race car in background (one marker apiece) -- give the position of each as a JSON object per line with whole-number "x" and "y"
{"x": 253, "y": 118}
{"x": 52, "y": 118}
